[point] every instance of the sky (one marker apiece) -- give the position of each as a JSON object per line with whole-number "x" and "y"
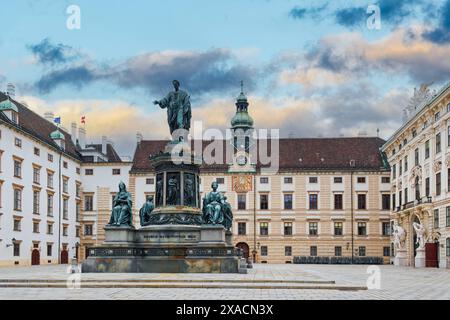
{"x": 310, "y": 68}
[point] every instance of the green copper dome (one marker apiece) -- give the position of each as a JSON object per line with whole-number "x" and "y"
{"x": 55, "y": 135}
{"x": 7, "y": 105}
{"x": 241, "y": 119}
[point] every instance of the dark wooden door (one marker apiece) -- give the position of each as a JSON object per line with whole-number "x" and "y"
{"x": 64, "y": 257}
{"x": 431, "y": 255}
{"x": 245, "y": 249}
{"x": 35, "y": 257}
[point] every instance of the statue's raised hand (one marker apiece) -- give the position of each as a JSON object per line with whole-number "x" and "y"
{"x": 156, "y": 102}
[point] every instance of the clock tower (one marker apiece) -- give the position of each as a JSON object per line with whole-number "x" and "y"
{"x": 242, "y": 137}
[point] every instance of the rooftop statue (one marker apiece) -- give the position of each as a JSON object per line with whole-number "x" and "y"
{"x": 178, "y": 107}
{"x": 121, "y": 214}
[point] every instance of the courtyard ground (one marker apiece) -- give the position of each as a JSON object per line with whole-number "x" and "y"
{"x": 271, "y": 282}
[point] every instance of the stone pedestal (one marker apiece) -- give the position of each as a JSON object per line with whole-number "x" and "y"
{"x": 419, "y": 260}
{"x": 401, "y": 259}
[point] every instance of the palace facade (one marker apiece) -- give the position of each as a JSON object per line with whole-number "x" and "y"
{"x": 330, "y": 196}
{"x": 419, "y": 156}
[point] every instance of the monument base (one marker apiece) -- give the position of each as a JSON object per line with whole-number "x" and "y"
{"x": 401, "y": 259}
{"x": 419, "y": 260}
{"x": 165, "y": 249}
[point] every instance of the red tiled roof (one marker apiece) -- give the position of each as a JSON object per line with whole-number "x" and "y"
{"x": 294, "y": 154}
{"x": 39, "y": 127}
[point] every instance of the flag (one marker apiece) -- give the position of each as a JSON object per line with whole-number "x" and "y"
{"x": 57, "y": 120}
{"x": 83, "y": 119}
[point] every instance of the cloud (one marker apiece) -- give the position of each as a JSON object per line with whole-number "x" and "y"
{"x": 348, "y": 57}
{"x": 312, "y": 12}
{"x": 441, "y": 34}
{"x": 392, "y": 12}
{"x": 215, "y": 70}
{"x": 48, "y": 53}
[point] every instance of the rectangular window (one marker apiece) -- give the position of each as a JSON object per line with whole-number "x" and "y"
{"x": 89, "y": 203}
{"x": 220, "y": 180}
{"x": 448, "y": 247}
{"x": 264, "y": 251}
{"x": 17, "y": 200}
{"x": 37, "y": 152}
{"x": 17, "y": 169}
{"x": 406, "y": 195}
{"x": 89, "y": 172}
{"x": 242, "y": 202}
{"x": 400, "y": 167}
{"x": 65, "y": 231}
{"x": 400, "y": 199}
{"x": 313, "y": 201}
{"x": 338, "y": 251}
{"x": 416, "y": 157}
{"x": 406, "y": 163}
{"x": 287, "y": 251}
{"x": 386, "y": 228}
{"x": 88, "y": 230}
{"x": 36, "y": 175}
{"x": 264, "y": 228}
{"x": 264, "y": 180}
{"x": 361, "y": 202}
{"x": 448, "y": 135}
{"x": 385, "y": 180}
{"x": 393, "y": 202}
{"x": 385, "y": 201}
{"x": 313, "y": 228}
{"x": 264, "y": 201}
{"x": 361, "y": 179}
{"x": 17, "y": 226}
{"x": 77, "y": 232}
{"x": 337, "y": 179}
{"x": 77, "y": 190}
{"x": 36, "y": 202}
{"x": 427, "y": 187}
{"x": 338, "y": 202}
{"x": 313, "y": 179}
{"x": 18, "y": 142}
{"x": 436, "y": 218}
{"x": 362, "y": 251}
{"x": 150, "y": 181}
{"x": 438, "y": 143}
{"x": 438, "y": 184}
{"x": 447, "y": 216}
{"x": 288, "y": 228}
{"x": 288, "y": 180}
{"x": 313, "y": 251}
{"x": 50, "y": 180}
{"x": 362, "y": 229}
{"x": 65, "y": 209}
{"x": 242, "y": 228}
{"x": 16, "y": 246}
{"x": 288, "y": 202}
{"x": 437, "y": 115}
{"x": 65, "y": 185}
{"x": 35, "y": 227}
{"x": 50, "y": 157}
{"x": 394, "y": 172}
{"x": 116, "y": 172}
{"x": 386, "y": 251}
{"x": 50, "y": 228}
{"x": 338, "y": 228}
{"x": 65, "y": 165}
{"x": 448, "y": 179}
{"x": 77, "y": 212}
{"x": 50, "y": 205}
{"x": 49, "y": 250}
{"x": 427, "y": 149}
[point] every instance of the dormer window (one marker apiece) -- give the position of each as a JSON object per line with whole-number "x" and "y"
{"x": 15, "y": 117}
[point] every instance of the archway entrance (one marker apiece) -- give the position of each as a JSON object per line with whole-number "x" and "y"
{"x": 245, "y": 249}
{"x": 35, "y": 257}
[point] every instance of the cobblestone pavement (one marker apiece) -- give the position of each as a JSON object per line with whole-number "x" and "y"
{"x": 395, "y": 283}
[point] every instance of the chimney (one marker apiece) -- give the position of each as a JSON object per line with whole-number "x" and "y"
{"x": 73, "y": 132}
{"x": 82, "y": 138}
{"x": 49, "y": 116}
{"x": 104, "y": 142}
{"x": 139, "y": 137}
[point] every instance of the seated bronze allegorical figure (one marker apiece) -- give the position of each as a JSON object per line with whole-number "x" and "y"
{"x": 146, "y": 211}
{"x": 213, "y": 212}
{"x": 227, "y": 214}
{"x": 121, "y": 214}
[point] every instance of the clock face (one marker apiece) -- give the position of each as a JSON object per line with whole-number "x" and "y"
{"x": 241, "y": 160}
